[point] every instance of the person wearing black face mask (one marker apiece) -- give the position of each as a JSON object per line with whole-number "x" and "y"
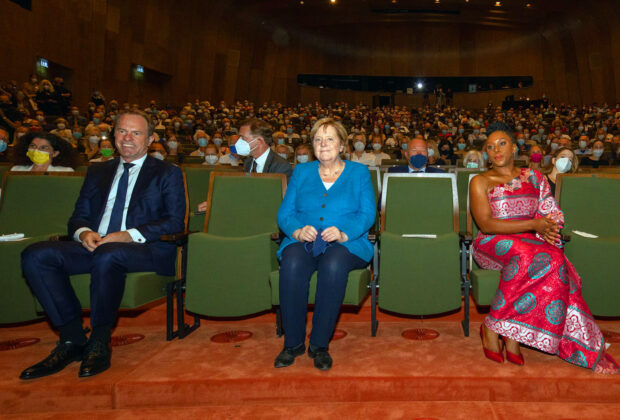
{"x": 445, "y": 153}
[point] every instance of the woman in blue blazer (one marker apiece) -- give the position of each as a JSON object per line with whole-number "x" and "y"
{"x": 326, "y": 214}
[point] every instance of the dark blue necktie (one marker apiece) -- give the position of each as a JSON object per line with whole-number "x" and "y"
{"x": 116, "y": 218}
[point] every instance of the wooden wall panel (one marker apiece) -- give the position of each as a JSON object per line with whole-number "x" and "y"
{"x": 219, "y": 50}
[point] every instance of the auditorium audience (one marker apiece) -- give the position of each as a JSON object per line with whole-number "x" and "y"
{"x": 326, "y": 213}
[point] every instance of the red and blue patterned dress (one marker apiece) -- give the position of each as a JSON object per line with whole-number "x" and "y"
{"x": 538, "y": 301}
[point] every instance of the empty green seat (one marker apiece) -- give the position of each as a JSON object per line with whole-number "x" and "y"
{"x": 420, "y": 276}
{"x": 37, "y": 205}
{"x": 590, "y": 203}
{"x": 197, "y": 177}
{"x": 229, "y": 263}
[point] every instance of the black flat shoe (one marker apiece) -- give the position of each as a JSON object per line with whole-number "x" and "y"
{"x": 96, "y": 358}
{"x": 322, "y": 359}
{"x": 288, "y": 354}
{"x": 64, "y": 353}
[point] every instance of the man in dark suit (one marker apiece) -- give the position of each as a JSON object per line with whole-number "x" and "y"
{"x": 257, "y": 134}
{"x": 417, "y": 155}
{"x": 124, "y": 206}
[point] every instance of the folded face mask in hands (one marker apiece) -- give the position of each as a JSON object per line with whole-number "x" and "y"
{"x": 319, "y": 246}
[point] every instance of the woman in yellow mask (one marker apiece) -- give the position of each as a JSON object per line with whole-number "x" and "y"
{"x": 43, "y": 152}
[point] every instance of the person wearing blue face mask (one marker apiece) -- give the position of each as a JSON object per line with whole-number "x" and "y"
{"x": 4, "y": 143}
{"x": 417, "y": 156}
{"x": 202, "y": 140}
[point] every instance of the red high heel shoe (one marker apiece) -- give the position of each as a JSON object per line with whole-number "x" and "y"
{"x": 493, "y": 355}
{"x": 517, "y": 359}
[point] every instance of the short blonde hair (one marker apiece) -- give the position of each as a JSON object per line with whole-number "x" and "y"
{"x": 341, "y": 132}
{"x": 479, "y": 157}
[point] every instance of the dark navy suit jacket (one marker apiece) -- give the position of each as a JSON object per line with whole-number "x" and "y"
{"x": 157, "y": 206}
{"x": 405, "y": 169}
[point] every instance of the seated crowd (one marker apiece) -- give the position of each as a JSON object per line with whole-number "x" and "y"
{"x": 205, "y": 131}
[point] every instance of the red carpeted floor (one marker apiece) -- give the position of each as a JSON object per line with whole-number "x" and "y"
{"x": 386, "y": 376}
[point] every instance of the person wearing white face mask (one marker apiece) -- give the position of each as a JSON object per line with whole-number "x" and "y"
{"x": 595, "y": 160}
{"x": 358, "y": 154}
{"x": 158, "y": 150}
{"x": 584, "y": 141}
{"x": 211, "y": 155}
{"x": 303, "y": 154}
{"x": 377, "y": 146}
{"x": 254, "y": 141}
{"x": 563, "y": 161}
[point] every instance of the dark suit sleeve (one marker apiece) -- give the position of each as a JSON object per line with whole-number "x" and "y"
{"x": 278, "y": 165}
{"x": 82, "y": 213}
{"x": 172, "y": 218}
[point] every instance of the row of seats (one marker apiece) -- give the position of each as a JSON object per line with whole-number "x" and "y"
{"x": 229, "y": 268}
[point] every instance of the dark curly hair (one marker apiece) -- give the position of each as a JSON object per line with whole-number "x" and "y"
{"x": 67, "y": 155}
{"x": 503, "y": 127}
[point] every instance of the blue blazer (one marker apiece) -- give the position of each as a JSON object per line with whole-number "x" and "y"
{"x": 349, "y": 205}
{"x": 157, "y": 205}
{"x": 405, "y": 169}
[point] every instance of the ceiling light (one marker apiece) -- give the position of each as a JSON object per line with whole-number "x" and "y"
{"x": 332, "y": 1}
{"x": 420, "y": 85}
{"x": 498, "y": 4}
{"x": 437, "y": 2}
{"x": 528, "y": 5}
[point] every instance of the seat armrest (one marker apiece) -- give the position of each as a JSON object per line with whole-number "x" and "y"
{"x": 180, "y": 238}
{"x": 466, "y": 237}
{"x": 58, "y": 238}
{"x": 373, "y": 235}
{"x": 565, "y": 238}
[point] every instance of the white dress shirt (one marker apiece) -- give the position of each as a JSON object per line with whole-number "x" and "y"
{"x": 107, "y": 214}
{"x": 260, "y": 162}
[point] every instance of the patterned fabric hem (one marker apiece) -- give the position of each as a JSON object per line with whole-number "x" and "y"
{"x": 527, "y": 335}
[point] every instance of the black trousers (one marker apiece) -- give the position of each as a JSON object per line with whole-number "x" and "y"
{"x": 296, "y": 268}
{"x": 48, "y": 265}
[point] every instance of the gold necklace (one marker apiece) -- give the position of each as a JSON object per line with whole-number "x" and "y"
{"x": 336, "y": 172}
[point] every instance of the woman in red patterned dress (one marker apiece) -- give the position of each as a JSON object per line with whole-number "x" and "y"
{"x": 538, "y": 301}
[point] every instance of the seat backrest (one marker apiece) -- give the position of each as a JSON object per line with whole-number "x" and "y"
{"x": 462, "y": 184}
{"x": 419, "y": 203}
{"x": 471, "y": 225}
{"x": 193, "y": 159}
{"x": 241, "y": 204}
{"x": 197, "y": 177}
{"x": 38, "y": 203}
{"x": 4, "y": 167}
{"x": 590, "y": 202}
{"x": 375, "y": 178}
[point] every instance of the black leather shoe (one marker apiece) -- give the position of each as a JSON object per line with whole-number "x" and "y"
{"x": 288, "y": 354}
{"x": 96, "y": 359}
{"x": 322, "y": 359}
{"x": 65, "y": 352}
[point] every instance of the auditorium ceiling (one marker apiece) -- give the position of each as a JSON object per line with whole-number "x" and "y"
{"x": 316, "y": 13}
